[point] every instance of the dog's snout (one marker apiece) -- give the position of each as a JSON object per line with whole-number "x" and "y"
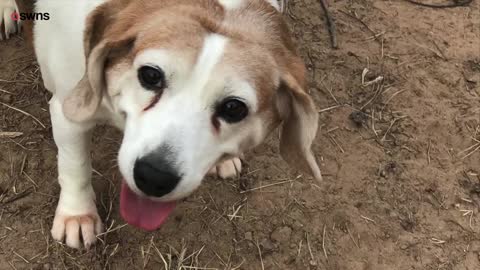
{"x": 155, "y": 176}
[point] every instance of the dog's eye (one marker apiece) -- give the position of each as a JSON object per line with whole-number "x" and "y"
{"x": 152, "y": 78}
{"x": 232, "y": 110}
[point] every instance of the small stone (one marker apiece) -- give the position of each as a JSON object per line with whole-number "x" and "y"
{"x": 358, "y": 118}
{"x": 407, "y": 225}
{"x": 383, "y": 174}
{"x": 297, "y": 224}
{"x": 281, "y": 234}
{"x": 249, "y": 236}
{"x": 267, "y": 245}
{"x": 6, "y": 98}
{"x": 403, "y": 247}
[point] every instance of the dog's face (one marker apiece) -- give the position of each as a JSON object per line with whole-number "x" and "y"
{"x": 189, "y": 107}
{"x": 196, "y": 84}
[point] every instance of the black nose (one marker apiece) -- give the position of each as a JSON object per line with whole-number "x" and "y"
{"x": 154, "y": 175}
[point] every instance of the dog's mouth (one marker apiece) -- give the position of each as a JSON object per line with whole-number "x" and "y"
{"x": 143, "y": 212}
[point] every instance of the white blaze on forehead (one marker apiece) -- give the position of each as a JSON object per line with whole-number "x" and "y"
{"x": 275, "y": 4}
{"x": 211, "y": 54}
{"x": 231, "y": 4}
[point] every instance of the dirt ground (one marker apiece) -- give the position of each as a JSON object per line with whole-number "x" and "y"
{"x": 399, "y": 147}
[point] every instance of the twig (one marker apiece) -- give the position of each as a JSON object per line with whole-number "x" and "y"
{"x": 469, "y": 213}
{"x": 363, "y": 23}
{"x": 368, "y": 219}
{"x": 336, "y": 143}
{"x": 260, "y": 254}
{"x": 270, "y": 185}
{"x": 330, "y": 24}
{"x": 351, "y": 237}
{"x": 12, "y": 134}
{"x": 390, "y": 127}
{"x": 456, "y": 3}
{"x": 20, "y": 256}
{"x": 5, "y": 91}
{"x": 439, "y": 50}
{"x": 312, "y": 258}
{"x": 25, "y": 113}
{"x": 330, "y": 92}
{"x": 323, "y": 243}
{"x": 329, "y": 108}
{"x": 112, "y": 230}
{"x": 377, "y": 93}
{"x": 428, "y": 151}
{"x": 437, "y": 241}
{"x": 391, "y": 97}
{"x": 19, "y": 196}
{"x": 473, "y": 151}
{"x": 373, "y": 123}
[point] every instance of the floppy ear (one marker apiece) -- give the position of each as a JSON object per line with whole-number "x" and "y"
{"x": 83, "y": 101}
{"x": 300, "y": 123}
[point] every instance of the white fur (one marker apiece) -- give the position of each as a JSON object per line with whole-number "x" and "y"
{"x": 275, "y": 4}
{"x": 7, "y": 7}
{"x": 231, "y": 4}
{"x": 211, "y": 53}
{"x": 234, "y": 4}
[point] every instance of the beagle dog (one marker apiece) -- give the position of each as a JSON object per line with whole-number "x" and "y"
{"x": 192, "y": 83}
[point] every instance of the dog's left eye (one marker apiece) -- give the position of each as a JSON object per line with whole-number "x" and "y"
{"x": 152, "y": 78}
{"x": 232, "y": 110}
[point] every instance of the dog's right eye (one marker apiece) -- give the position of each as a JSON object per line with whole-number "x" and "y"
{"x": 152, "y": 78}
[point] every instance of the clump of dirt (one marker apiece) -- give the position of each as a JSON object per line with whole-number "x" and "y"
{"x": 399, "y": 146}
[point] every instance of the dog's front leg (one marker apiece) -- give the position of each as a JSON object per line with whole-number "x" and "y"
{"x": 76, "y": 212}
{"x": 8, "y": 13}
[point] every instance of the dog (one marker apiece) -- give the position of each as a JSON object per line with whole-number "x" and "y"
{"x": 193, "y": 84}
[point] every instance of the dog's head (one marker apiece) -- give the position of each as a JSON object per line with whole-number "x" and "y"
{"x": 197, "y": 82}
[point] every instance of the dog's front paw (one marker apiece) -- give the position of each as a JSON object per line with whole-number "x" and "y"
{"x": 9, "y": 17}
{"x": 70, "y": 228}
{"x": 76, "y": 216}
{"x": 227, "y": 169}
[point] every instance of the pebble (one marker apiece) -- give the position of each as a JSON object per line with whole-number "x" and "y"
{"x": 281, "y": 234}
{"x": 6, "y": 98}
{"x": 249, "y": 236}
{"x": 267, "y": 245}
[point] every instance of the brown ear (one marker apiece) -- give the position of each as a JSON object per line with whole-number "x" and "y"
{"x": 84, "y": 100}
{"x": 300, "y": 123}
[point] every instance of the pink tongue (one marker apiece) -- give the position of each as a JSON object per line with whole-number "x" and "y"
{"x": 142, "y": 212}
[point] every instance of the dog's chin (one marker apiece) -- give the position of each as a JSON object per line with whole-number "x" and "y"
{"x": 141, "y": 211}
